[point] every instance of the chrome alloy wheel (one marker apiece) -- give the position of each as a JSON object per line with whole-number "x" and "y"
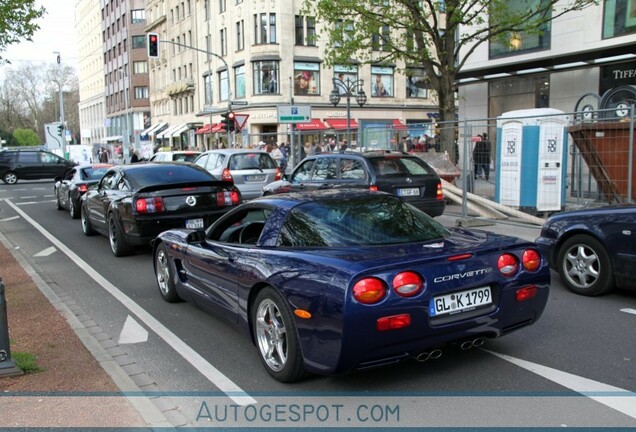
{"x": 271, "y": 335}
{"x": 162, "y": 272}
{"x": 581, "y": 266}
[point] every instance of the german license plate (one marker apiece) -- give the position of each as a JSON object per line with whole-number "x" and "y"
{"x": 255, "y": 178}
{"x": 460, "y": 301}
{"x": 194, "y": 223}
{"x": 408, "y": 192}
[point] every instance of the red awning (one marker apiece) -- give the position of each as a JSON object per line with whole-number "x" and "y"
{"x": 398, "y": 125}
{"x": 205, "y": 129}
{"x": 314, "y": 124}
{"x": 218, "y": 128}
{"x": 341, "y": 123}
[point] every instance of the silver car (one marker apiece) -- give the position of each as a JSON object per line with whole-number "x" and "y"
{"x": 250, "y": 170}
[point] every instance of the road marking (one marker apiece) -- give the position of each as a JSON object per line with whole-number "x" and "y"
{"x": 132, "y": 332}
{"x": 215, "y": 376}
{"x": 9, "y": 218}
{"x": 629, "y": 311}
{"x": 29, "y": 197}
{"x": 31, "y": 202}
{"x": 619, "y": 399}
{"x": 46, "y": 252}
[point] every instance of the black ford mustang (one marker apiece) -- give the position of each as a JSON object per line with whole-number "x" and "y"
{"x": 132, "y": 204}
{"x": 75, "y": 182}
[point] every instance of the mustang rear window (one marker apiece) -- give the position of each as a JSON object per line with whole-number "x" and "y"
{"x": 166, "y": 174}
{"x": 382, "y": 220}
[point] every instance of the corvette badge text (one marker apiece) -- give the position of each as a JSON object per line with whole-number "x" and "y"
{"x": 462, "y": 275}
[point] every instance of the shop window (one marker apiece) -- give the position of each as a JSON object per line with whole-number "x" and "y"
{"x": 306, "y": 78}
{"x": 514, "y": 43}
{"x": 416, "y": 86}
{"x": 619, "y": 18}
{"x": 382, "y": 81}
{"x": 239, "y": 79}
{"x": 265, "y": 75}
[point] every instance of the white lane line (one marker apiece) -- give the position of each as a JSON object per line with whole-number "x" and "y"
{"x": 46, "y": 252}
{"x": 619, "y": 399}
{"x": 9, "y": 218}
{"x": 31, "y": 202}
{"x": 215, "y": 376}
{"x": 629, "y": 311}
{"x": 29, "y": 197}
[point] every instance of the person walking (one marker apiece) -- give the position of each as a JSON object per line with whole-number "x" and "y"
{"x": 481, "y": 157}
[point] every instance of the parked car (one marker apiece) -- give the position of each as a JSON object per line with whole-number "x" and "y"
{"x": 593, "y": 249}
{"x": 31, "y": 165}
{"x": 249, "y": 170}
{"x": 69, "y": 189}
{"x": 132, "y": 204}
{"x": 401, "y": 174}
{"x": 341, "y": 279}
{"x": 175, "y": 156}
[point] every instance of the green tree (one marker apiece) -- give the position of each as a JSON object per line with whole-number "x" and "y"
{"x": 18, "y": 21}
{"x": 26, "y": 137}
{"x": 436, "y": 35}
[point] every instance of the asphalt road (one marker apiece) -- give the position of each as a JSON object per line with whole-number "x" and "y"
{"x": 575, "y": 367}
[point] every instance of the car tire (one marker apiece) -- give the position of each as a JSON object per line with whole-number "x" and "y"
{"x": 72, "y": 208}
{"x": 10, "y": 178}
{"x": 165, "y": 275}
{"x": 584, "y": 266}
{"x": 118, "y": 244}
{"x": 87, "y": 227}
{"x": 58, "y": 203}
{"x": 276, "y": 337}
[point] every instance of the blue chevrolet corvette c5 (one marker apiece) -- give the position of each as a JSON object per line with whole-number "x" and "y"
{"x": 338, "y": 280}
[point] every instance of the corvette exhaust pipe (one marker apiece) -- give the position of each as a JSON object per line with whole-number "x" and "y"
{"x": 477, "y": 342}
{"x": 472, "y": 343}
{"x": 466, "y": 345}
{"x": 426, "y": 355}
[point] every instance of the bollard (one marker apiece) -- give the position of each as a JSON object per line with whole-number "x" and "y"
{"x": 7, "y": 366}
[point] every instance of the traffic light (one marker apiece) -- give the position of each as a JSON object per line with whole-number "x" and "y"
{"x": 60, "y": 130}
{"x": 153, "y": 45}
{"x": 228, "y": 121}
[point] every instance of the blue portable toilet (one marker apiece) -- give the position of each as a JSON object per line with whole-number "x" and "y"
{"x": 531, "y": 159}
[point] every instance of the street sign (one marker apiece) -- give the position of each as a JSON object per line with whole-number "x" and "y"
{"x": 294, "y": 114}
{"x": 240, "y": 120}
{"x": 239, "y": 103}
{"x": 209, "y": 109}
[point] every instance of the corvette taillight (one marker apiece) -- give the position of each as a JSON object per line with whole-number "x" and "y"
{"x": 507, "y": 264}
{"x": 408, "y": 284}
{"x": 227, "y": 198}
{"x": 531, "y": 260}
{"x": 279, "y": 174}
{"x": 82, "y": 188}
{"x": 526, "y": 293}
{"x": 393, "y": 322}
{"x": 440, "y": 192}
{"x": 227, "y": 175}
{"x": 369, "y": 290}
{"x": 149, "y": 205}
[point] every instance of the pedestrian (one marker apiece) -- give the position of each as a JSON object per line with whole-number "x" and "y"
{"x": 274, "y": 152}
{"x": 481, "y": 156}
{"x": 134, "y": 157}
{"x": 103, "y": 155}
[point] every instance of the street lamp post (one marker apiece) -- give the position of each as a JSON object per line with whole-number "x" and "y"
{"x": 348, "y": 88}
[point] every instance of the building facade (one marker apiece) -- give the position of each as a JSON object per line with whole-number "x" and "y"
{"x": 254, "y": 57}
{"x": 91, "y": 71}
{"x": 579, "y": 57}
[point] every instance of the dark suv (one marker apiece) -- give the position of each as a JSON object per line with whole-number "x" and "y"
{"x": 401, "y": 174}
{"x": 31, "y": 165}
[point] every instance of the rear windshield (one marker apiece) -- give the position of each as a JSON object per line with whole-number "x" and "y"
{"x": 185, "y": 157}
{"x": 93, "y": 173}
{"x": 400, "y": 166}
{"x": 248, "y": 161}
{"x": 148, "y": 175}
{"x": 358, "y": 222}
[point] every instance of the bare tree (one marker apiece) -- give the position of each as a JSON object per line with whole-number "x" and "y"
{"x": 436, "y": 35}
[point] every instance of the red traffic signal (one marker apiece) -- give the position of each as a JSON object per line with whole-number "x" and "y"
{"x": 228, "y": 121}
{"x": 153, "y": 45}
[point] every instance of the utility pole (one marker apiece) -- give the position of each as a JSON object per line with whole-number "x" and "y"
{"x": 61, "y": 98}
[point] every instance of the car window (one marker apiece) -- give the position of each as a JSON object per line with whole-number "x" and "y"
{"x": 184, "y": 157}
{"x": 92, "y": 173}
{"x": 69, "y": 174}
{"x": 352, "y": 169}
{"x": 147, "y": 175}
{"x": 303, "y": 172}
{"x": 214, "y": 161}
{"x": 325, "y": 169}
{"x": 201, "y": 160}
{"x": 108, "y": 181}
{"x": 49, "y": 158}
{"x": 250, "y": 222}
{"x": 357, "y": 222}
{"x": 6, "y": 156}
{"x": 28, "y": 157}
{"x": 246, "y": 161}
{"x": 400, "y": 166}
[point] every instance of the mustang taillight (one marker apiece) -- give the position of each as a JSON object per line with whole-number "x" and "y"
{"x": 227, "y": 175}
{"x": 227, "y": 198}
{"x": 373, "y": 188}
{"x": 526, "y": 293}
{"x": 369, "y": 290}
{"x": 149, "y": 205}
{"x": 407, "y": 284}
{"x": 507, "y": 264}
{"x": 440, "y": 192}
{"x": 531, "y": 260}
{"x": 82, "y": 188}
{"x": 279, "y": 174}
{"x": 393, "y": 322}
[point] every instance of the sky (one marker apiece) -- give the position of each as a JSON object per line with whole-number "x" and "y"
{"x": 57, "y": 33}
